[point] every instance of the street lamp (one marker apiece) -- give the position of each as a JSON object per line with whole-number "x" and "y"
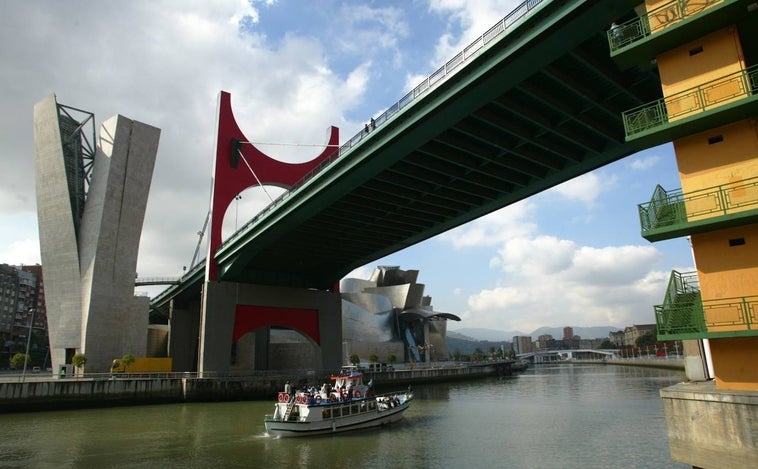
{"x": 28, "y": 342}
{"x": 237, "y": 197}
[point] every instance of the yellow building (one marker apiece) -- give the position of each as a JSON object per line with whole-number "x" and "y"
{"x": 706, "y": 53}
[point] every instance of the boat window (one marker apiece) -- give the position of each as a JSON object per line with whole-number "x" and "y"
{"x": 337, "y": 412}
{"x": 327, "y": 413}
{"x": 354, "y": 409}
{"x": 372, "y": 405}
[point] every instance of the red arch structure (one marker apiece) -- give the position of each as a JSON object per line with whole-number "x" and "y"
{"x": 231, "y": 176}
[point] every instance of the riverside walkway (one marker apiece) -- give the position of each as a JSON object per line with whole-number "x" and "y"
{"x": 38, "y": 393}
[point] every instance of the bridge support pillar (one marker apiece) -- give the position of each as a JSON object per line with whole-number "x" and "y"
{"x": 262, "y": 343}
{"x": 231, "y": 310}
{"x": 182, "y": 343}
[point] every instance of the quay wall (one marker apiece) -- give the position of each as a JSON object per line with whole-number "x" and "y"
{"x": 670, "y": 364}
{"x": 42, "y": 394}
{"x": 703, "y": 420}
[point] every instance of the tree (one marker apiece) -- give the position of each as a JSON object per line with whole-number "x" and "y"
{"x": 127, "y": 360}
{"x": 355, "y": 360}
{"x": 79, "y": 360}
{"x": 391, "y": 358}
{"x": 373, "y": 358}
{"x": 647, "y": 339}
{"x": 18, "y": 360}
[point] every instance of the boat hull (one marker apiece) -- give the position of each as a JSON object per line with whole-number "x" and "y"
{"x": 287, "y": 428}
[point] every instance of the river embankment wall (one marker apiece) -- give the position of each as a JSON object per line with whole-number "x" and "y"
{"x": 669, "y": 363}
{"x": 41, "y": 394}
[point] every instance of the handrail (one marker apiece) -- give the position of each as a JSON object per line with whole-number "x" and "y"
{"x": 143, "y": 281}
{"x": 681, "y": 284}
{"x": 736, "y": 312}
{"x": 621, "y": 35}
{"x": 675, "y": 207}
{"x": 704, "y": 318}
{"x": 436, "y": 77}
{"x": 741, "y": 83}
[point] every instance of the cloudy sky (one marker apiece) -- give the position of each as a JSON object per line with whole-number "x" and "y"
{"x": 570, "y": 256}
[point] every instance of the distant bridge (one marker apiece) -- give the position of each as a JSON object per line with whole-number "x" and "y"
{"x": 147, "y": 281}
{"x": 547, "y": 356}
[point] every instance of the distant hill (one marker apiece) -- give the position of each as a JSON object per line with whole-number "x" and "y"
{"x": 483, "y": 334}
{"x": 595, "y": 332}
{"x": 468, "y": 347}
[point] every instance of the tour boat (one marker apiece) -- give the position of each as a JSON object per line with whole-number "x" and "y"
{"x": 348, "y": 404}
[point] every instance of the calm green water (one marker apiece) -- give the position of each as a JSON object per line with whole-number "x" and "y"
{"x": 567, "y": 416}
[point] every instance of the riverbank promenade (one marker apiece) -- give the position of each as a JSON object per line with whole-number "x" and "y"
{"x": 36, "y": 393}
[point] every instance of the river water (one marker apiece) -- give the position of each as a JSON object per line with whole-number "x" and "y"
{"x": 559, "y": 416}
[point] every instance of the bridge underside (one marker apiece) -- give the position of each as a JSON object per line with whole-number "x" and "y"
{"x": 535, "y": 108}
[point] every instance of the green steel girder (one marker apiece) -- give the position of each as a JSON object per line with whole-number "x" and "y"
{"x": 465, "y": 148}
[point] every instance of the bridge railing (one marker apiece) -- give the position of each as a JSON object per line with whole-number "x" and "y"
{"x": 144, "y": 281}
{"x": 436, "y": 77}
{"x": 668, "y": 208}
{"x": 728, "y": 88}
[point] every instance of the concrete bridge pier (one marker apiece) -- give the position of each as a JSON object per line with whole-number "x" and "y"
{"x": 240, "y": 316}
{"x": 184, "y": 318}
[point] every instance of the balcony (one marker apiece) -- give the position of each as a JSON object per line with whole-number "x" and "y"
{"x": 718, "y": 102}
{"x": 684, "y": 315}
{"x": 674, "y": 214}
{"x": 642, "y": 39}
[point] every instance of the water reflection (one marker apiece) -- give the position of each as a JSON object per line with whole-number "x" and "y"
{"x": 549, "y": 417}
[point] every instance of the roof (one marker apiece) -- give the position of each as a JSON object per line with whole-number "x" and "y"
{"x": 427, "y": 314}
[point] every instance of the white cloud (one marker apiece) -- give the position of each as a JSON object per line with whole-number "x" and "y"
{"x": 21, "y": 252}
{"x": 644, "y": 162}
{"x": 551, "y": 281}
{"x": 586, "y": 188}
{"x": 366, "y": 30}
{"x": 468, "y": 20}
{"x": 490, "y": 230}
{"x": 164, "y": 65}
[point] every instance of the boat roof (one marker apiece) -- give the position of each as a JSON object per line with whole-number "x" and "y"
{"x": 347, "y": 372}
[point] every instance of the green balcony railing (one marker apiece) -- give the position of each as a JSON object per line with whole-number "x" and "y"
{"x": 709, "y": 319}
{"x": 680, "y": 312}
{"x": 682, "y": 285}
{"x": 623, "y": 34}
{"x": 707, "y": 96}
{"x": 680, "y": 321}
{"x": 684, "y": 315}
{"x": 672, "y": 208}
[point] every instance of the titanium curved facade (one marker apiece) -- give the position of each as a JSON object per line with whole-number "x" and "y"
{"x": 389, "y": 314}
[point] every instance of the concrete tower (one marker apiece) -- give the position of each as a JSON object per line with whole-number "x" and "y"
{"x": 707, "y": 58}
{"x": 91, "y": 203}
